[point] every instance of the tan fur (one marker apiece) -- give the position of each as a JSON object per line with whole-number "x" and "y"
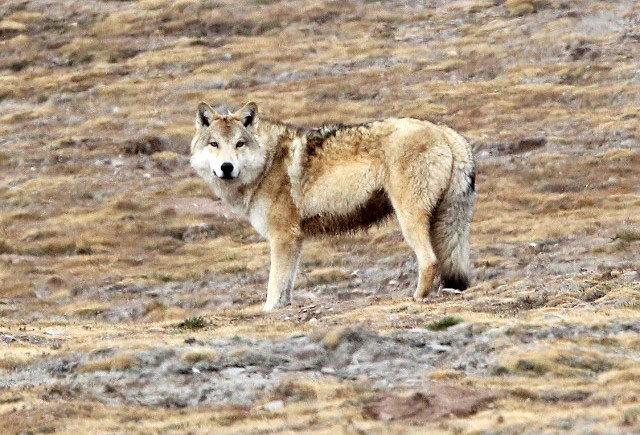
{"x": 293, "y": 183}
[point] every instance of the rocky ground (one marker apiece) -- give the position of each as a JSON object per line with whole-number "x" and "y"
{"x": 130, "y": 297}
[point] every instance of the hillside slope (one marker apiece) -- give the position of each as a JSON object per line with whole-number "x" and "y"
{"x": 130, "y": 297}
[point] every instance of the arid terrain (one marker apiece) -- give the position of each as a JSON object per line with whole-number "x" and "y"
{"x": 130, "y": 298}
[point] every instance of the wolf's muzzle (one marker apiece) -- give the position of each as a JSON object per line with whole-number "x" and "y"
{"x": 227, "y": 170}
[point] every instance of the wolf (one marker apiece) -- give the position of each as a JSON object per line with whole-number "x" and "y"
{"x": 292, "y": 183}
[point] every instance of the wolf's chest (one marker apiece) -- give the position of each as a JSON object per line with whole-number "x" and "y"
{"x": 258, "y": 216}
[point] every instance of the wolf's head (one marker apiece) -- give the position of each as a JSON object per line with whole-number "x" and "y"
{"x": 225, "y": 150}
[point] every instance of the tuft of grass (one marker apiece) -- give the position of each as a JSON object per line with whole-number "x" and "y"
{"x": 445, "y": 375}
{"x": 6, "y": 248}
{"x": 591, "y": 362}
{"x": 631, "y": 416}
{"x": 627, "y": 235}
{"x": 112, "y": 364}
{"x": 9, "y": 363}
{"x": 326, "y": 275}
{"x": 519, "y": 8}
{"x": 193, "y": 323}
{"x": 335, "y": 336}
{"x": 57, "y": 248}
{"x": 127, "y": 205}
{"x": 444, "y": 323}
{"x": 294, "y": 391}
{"x": 198, "y": 355}
{"x": 5, "y": 158}
{"x": 499, "y": 370}
{"x": 526, "y": 365}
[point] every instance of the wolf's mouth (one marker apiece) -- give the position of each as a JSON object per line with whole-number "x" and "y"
{"x": 227, "y": 177}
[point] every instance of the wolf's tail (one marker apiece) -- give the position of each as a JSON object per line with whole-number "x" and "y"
{"x": 451, "y": 225}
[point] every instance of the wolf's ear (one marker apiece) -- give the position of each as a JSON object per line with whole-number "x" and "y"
{"x": 205, "y": 115}
{"x": 247, "y": 114}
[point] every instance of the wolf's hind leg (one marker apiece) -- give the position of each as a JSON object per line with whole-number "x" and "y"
{"x": 415, "y": 229}
{"x": 285, "y": 256}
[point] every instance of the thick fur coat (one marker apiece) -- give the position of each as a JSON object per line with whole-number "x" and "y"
{"x": 292, "y": 183}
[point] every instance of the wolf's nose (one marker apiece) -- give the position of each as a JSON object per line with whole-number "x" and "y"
{"x": 226, "y": 168}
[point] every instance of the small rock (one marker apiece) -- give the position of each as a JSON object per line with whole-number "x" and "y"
{"x": 439, "y": 348}
{"x": 328, "y": 371}
{"x": 451, "y": 291}
{"x": 276, "y": 405}
{"x": 629, "y": 277}
{"x": 7, "y": 338}
{"x": 232, "y": 372}
{"x": 56, "y": 332}
{"x": 42, "y": 292}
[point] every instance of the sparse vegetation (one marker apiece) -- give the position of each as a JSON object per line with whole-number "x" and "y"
{"x": 628, "y": 235}
{"x": 193, "y": 323}
{"x": 533, "y": 367}
{"x": 444, "y": 323}
{"x": 198, "y": 355}
{"x": 115, "y": 363}
{"x": 111, "y": 250}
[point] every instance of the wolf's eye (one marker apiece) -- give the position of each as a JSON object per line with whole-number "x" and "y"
{"x": 214, "y": 144}
{"x": 240, "y": 144}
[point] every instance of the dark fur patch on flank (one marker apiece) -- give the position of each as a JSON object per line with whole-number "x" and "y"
{"x": 375, "y": 210}
{"x": 456, "y": 282}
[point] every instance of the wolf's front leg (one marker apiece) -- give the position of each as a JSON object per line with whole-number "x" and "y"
{"x": 285, "y": 256}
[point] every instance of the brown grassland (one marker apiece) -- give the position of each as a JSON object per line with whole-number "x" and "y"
{"x": 130, "y": 298}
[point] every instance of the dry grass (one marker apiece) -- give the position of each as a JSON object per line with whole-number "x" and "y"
{"x": 198, "y": 355}
{"x": 106, "y": 234}
{"x": 115, "y": 363}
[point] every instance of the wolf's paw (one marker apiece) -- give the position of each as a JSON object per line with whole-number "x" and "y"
{"x": 417, "y": 297}
{"x": 271, "y": 306}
